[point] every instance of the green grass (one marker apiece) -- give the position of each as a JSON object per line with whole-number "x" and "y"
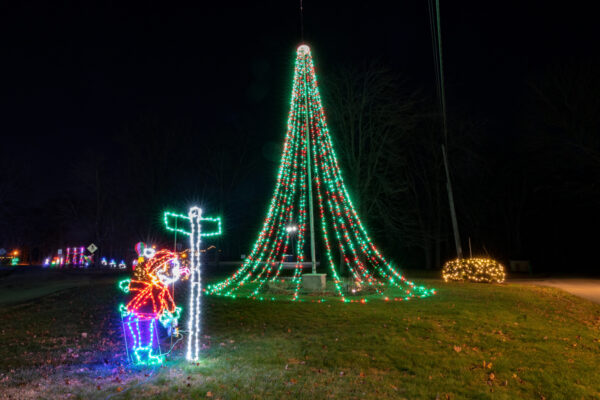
{"x": 18, "y": 285}
{"x": 469, "y": 341}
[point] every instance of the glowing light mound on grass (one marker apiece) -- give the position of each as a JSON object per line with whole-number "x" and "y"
{"x": 150, "y": 300}
{"x": 194, "y": 219}
{"x": 474, "y": 270}
{"x": 308, "y": 153}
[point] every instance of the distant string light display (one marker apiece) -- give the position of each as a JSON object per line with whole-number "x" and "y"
{"x": 71, "y": 257}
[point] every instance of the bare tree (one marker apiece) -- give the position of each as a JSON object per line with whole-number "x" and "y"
{"x": 9, "y": 180}
{"x": 566, "y": 122}
{"x": 87, "y": 208}
{"x": 389, "y": 144}
{"x": 371, "y": 113}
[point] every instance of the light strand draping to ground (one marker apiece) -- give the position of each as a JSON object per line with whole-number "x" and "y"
{"x": 341, "y": 228}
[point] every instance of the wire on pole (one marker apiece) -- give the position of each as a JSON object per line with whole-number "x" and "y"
{"x": 301, "y": 21}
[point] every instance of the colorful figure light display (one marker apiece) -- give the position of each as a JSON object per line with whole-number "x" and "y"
{"x": 150, "y": 300}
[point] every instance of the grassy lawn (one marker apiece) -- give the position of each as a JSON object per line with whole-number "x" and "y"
{"x": 21, "y": 287}
{"x": 469, "y": 341}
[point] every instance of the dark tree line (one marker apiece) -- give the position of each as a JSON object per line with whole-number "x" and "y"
{"x": 390, "y": 141}
{"x": 529, "y": 195}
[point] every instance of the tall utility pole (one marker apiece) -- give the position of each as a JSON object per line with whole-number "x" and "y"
{"x": 308, "y": 167}
{"x": 437, "y": 41}
{"x": 452, "y": 209}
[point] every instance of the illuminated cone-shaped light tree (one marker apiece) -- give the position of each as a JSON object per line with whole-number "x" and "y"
{"x": 309, "y": 168}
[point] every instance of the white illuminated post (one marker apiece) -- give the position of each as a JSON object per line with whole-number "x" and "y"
{"x": 195, "y": 233}
{"x": 195, "y": 215}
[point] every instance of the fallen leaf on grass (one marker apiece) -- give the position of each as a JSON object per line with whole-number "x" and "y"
{"x": 457, "y": 349}
{"x": 209, "y": 394}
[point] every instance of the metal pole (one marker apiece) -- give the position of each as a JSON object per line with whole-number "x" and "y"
{"x": 442, "y": 89}
{"x": 452, "y": 209}
{"x": 301, "y": 21}
{"x": 445, "y": 127}
{"x": 308, "y": 167}
{"x": 470, "y": 248}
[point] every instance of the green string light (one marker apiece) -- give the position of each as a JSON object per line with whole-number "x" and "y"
{"x": 168, "y": 215}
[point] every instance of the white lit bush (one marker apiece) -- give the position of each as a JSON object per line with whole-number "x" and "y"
{"x": 475, "y": 270}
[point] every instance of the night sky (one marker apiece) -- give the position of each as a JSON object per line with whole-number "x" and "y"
{"x": 75, "y": 73}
